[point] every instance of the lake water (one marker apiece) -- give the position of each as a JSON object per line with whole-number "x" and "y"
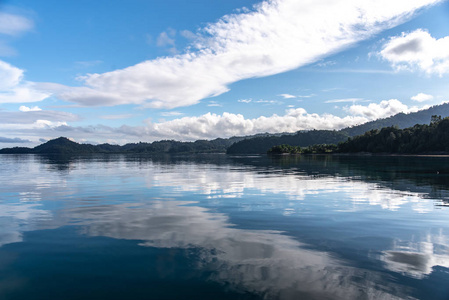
{"x": 220, "y": 227}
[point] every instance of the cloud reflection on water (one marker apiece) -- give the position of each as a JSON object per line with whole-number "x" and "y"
{"x": 264, "y": 262}
{"x": 97, "y": 196}
{"x": 417, "y": 258}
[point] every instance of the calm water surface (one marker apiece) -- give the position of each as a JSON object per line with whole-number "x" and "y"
{"x": 218, "y": 227}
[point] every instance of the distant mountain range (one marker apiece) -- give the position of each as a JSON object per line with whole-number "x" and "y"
{"x": 255, "y": 144}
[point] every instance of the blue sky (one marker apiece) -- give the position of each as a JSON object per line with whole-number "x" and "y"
{"x": 118, "y": 72}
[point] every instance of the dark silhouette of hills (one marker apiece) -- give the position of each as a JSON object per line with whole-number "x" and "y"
{"x": 256, "y": 144}
{"x": 63, "y": 145}
{"x": 259, "y": 145}
{"x": 401, "y": 120}
{"x": 421, "y": 138}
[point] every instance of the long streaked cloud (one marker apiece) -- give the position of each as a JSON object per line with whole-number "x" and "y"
{"x": 353, "y": 100}
{"x": 260, "y": 42}
{"x": 13, "y": 140}
{"x": 287, "y": 96}
{"x": 32, "y": 115}
{"x": 13, "y": 87}
{"x": 418, "y": 50}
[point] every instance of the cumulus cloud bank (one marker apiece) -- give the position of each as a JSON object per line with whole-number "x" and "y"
{"x": 274, "y": 37}
{"x": 418, "y": 50}
{"x": 384, "y": 109}
{"x": 206, "y": 126}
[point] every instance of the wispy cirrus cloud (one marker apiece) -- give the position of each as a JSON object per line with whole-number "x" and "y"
{"x": 11, "y": 24}
{"x": 116, "y": 117}
{"x": 353, "y": 100}
{"x": 171, "y": 114}
{"x": 13, "y": 140}
{"x": 287, "y": 96}
{"x": 255, "y": 43}
{"x": 33, "y": 115}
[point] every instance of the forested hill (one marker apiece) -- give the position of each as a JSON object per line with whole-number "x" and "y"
{"x": 401, "y": 120}
{"x": 238, "y": 145}
{"x": 63, "y": 145}
{"x": 433, "y": 138}
{"x": 261, "y": 145}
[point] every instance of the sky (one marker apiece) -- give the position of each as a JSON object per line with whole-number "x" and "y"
{"x": 117, "y": 72}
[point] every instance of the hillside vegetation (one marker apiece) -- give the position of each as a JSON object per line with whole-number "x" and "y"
{"x": 308, "y": 138}
{"x": 302, "y": 139}
{"x": 313, "y": 141}
{"x": 419, "y": 139}
{"x": 63, "y": 145}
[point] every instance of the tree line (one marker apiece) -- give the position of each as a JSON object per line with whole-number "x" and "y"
{"x": 421, "y": 138}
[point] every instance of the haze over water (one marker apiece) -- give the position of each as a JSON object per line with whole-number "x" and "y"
{"x": 220, "y": 227}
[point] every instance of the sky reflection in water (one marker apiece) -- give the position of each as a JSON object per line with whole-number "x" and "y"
{"x": 275, "y": 229}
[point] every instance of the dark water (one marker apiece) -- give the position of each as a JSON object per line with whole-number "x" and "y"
{"x": 218, "y": 227}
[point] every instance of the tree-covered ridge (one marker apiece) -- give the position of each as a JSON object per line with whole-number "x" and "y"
{"x": 63, "y": 145}
{"x": 400, "y": 120}
{"x": 430, "y": 138}
{"x": 259, "y": 145}
{"x": 314, "y": 141}
{"x": 302, "y": 138}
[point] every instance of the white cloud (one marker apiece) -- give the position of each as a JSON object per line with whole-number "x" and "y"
{"x": 326, "y": 64}
{"x": 207, "y": 126}
{"x": 214, "y": 104}
{"x": 13, "y": 24}
{"x": 245, "y": 100}
{"x": 26, "y": 108}
{"x": 33, "y": 115}
{"x": 344, "y": 100}
{"x": 116, "y": 117}
{"x": 306, "y": 96}
{"x": 287, "y": 96}
{"x": 421, "y": 97}
{"x": 268, "y": 101}
{"x": 14, "y": 89}
{"x": 165, "y": 39}
{"x": 257, "y": 43}
{"x": 211, "y": 125}
{"x": 384, "y": 109}
{"x": 171, "y": 113}
{"x": 418, "y": 50}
